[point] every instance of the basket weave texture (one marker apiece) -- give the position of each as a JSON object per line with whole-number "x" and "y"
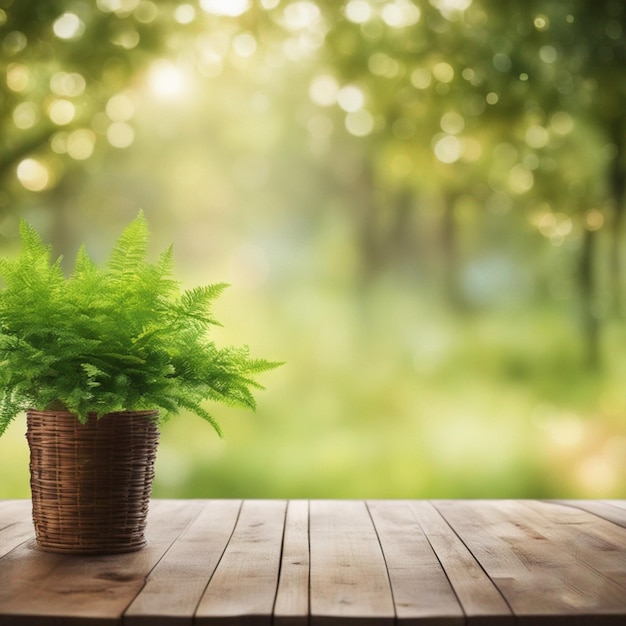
{"x": 91, "y": 483}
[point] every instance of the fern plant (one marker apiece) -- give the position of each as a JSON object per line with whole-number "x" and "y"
{"x": 124, "y": 336}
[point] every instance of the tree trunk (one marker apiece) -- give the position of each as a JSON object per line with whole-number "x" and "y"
{"x": 401, "y": 238}
{"x": 367, "y": 214}
{"x": 451, "y": 257}
{"x": 590, "y": 322}
{"x": 617, "y": 183}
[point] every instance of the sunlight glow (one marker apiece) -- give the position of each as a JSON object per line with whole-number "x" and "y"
{"x": 324, "y": 90}
{"x": 146, "y": 12}
{"x": 167, "y": 81}
{"x": 301, "y": 15}
{"x": 358, "y": 11}
{"x": 67, "y": 84}
{"x": 18, "y": 77}
{"x": 33, "y": 175}
{"x": 520, "y": 179}
{"x": 229, "y": 8}
{"x": 443, "y": 72}
{"x": 452, "y": 123}
{"x": 120, "y": 108}
{"x": 421, "y": 78}
{"x": 25, "y": 115}
{"x": 244, "y": 45}
{"x": 351, "y": 98}
{"x": 184, "y": 14}
{"x": 61, "y": 112}
{"x": 448, "y": 149}
{"x": 400, "y": 14}
{"x": 381, "y": 64}
{"x": 120, "y": 135}
{"x": 360, "y": 123}
{"x": 81, "y": 144}
{"x": 58, "y": 142}
{"x": 68, "y": 26}
{"x": 536, "y": 136}
{"x": 450, "y": 9}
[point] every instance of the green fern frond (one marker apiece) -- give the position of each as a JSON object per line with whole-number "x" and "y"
{"x": 131, "y": 249}
{"x": 84, "y": 265}
{"x": 195, "y": 303}
{"x": 32, "y": 245}
{"x": 195, "y": 407}
{"x": 119, "y": 337}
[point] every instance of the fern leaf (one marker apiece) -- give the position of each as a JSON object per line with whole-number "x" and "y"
{"x": 83, "y": 266}
{"x": 120, "y": 337}
{"x": 190, "y": 405}
{"x": 195, "y": 303}
{"x": 129, "y": 252}
{"x": 32, "y": 245}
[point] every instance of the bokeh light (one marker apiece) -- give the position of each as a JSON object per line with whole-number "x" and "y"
{"x": 33, "y": 174}
{"x": 68, "y": 26}
{"x": 167, "y": 81}
{"x": 417, "y": 205}
{"x": 231, "y": 8}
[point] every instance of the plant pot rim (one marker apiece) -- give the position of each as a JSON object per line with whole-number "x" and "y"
{"x": 63, "y": 412}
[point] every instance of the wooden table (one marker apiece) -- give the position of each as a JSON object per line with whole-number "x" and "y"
{"x": 329, "y": 563}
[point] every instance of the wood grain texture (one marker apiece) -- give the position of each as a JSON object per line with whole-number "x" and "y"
{"x": 349, "y": 581}
{"x": 422, "y": 593}
{"x": 482, "y": 603}
{"x": 611, "y": 512}
{"x": 534, "y": 566}
{"x": 15, "y": 524}
{"x": 331, "y": 563}
{"x": 175, "y": 586}
{"x": 243, "y": 588}
{"x": 594, "y": 541}
{"x": 39, "y": 588}
{"x": 292, "y": 598}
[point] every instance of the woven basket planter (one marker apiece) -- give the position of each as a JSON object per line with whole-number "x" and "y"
{"x": 91, "y": 483}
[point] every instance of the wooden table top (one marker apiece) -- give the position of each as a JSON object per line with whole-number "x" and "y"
{"x": 330, "y": 563}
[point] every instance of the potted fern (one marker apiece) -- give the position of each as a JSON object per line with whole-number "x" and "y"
{"x": 98, "y": 360}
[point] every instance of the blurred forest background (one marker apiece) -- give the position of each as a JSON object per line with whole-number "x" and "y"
{"x": 419, "y": 205}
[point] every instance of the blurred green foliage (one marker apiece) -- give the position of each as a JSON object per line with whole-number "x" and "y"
{"x": 419, "y": 204}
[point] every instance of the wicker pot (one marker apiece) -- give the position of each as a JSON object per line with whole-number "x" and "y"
{"x": 91, "y": 483}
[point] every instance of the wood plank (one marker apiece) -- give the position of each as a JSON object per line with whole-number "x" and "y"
{"x": 614, "y": 514}
{"x": 42, "y": 589}
{"x": 481, "y": 601}
{"x": 541, "y": 581}
{"x": 349, "y": 581}
{"x": 556, "y": 563}
{"x": 16, "y": 524}
{"x": 175, "y": 586}
{"x": 421, "y": 591}
{"x": 292, "y": 599}
{"x": 13, "y": 511}
{"x": 243, "y": 587}
{"x": 620, "y": 504}
{"x": 596, "y": 542}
